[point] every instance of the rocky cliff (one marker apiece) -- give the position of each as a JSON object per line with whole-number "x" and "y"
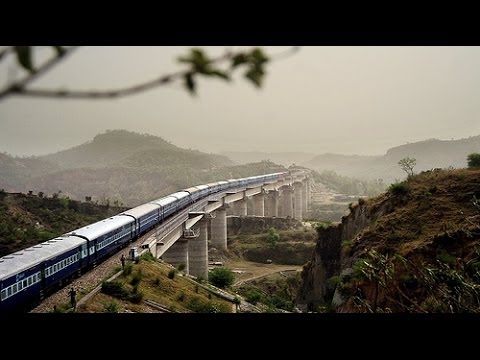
{"x": 415, "y": 248}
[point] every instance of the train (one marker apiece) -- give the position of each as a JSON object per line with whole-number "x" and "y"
{"x": 29, "y": 275}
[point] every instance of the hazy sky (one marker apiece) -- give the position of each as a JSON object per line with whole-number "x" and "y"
{"x": 350, "y": 100}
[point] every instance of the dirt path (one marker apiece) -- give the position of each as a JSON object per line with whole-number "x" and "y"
{"x": 247, "y": 271}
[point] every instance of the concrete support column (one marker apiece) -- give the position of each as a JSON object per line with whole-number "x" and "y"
{"x": 259, "y": 204}
{"x": 305, "y": 197}
{"x": 241, "y": 207}
{"x": 177, "y": 254}
{"x": 198, "y": 252}
{"x": 249, "y": 206}
{"x": 271, "y": 205}
{"x": 231, "y": 210}
{"x": 298, "y": 200}
{"x": 287, "y": 202}
{"x": 219, "y": 229}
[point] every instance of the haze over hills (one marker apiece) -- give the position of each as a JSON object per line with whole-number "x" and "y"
{"x": 282, "y": 158}
{"x": 432, "y": 153}
{"x": 121, "y": 166}
{"x": 117, "y": 146}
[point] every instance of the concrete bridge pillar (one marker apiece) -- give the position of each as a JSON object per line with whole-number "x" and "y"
{"x": 231, "y": 210}
{"x": 219, "y": 229}
{"x": 271, "y": 205}
{"x": 305, "y": 197}
{"x": 241, "y": 207}
{"x": 297, "y": 204}
{"x": 287, "y": 202}
{"x": 249, "y": 206}
{"x": 259, "y": 204}
{"x": 177, "y": 254}
{"x": 198, "y": 252}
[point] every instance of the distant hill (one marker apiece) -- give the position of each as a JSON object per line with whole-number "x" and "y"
{"x": 116, "y": 146}
{"x": 429, "y": 154}
{"x": 121, "y": 166}
{"x": 282, "y": 158}
{"x": 14, "y": 170}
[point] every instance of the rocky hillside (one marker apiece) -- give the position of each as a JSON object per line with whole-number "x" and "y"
{"x": 415, "y": 248}
{"x": 26, "y": 220}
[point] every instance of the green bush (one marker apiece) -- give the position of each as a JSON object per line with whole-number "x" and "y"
{"x": 399, "y": 189}
{"x": 136, "y": 278}
{"x": 181, "y": 267}
{"x": 221, "y": 277}
{"x": 473, "y": 160}
{"x": 128, "y": 269}
{"x": 115, "y": 289}
{"x": 253, "y": 296}
{"x": 136, "y": 298}
{"x": 112, "y": 307}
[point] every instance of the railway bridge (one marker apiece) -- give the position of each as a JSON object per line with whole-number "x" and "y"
{"x": 184, "y": 239}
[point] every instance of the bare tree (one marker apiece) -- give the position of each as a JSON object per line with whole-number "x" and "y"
{"x": 407, "y": 164}
{"x": 198, "y": 62}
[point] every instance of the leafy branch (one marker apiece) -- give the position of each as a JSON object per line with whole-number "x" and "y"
{"x": 199, "y": 64}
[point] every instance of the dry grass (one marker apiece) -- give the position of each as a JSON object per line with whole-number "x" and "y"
{"x": 175, "y": 294}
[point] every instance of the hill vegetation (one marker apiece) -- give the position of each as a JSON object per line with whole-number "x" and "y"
{"x": 26, "y": 220}
{"x": 121, "y": 166}
{"x": 414, "y": 248}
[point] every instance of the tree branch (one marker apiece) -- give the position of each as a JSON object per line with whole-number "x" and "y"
{"x": 20, "y": 89}
{"x": 19, "y": 86}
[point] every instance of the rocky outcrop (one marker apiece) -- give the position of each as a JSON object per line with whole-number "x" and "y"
{"x": 326, "y": 261}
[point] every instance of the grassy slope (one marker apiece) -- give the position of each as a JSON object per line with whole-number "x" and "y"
{"x": 177, "y": 294}
{"x": 26, "y": 220}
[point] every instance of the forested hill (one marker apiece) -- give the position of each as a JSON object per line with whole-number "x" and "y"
{"x": 121, "y": 166}
{"x": 117, "y": 146}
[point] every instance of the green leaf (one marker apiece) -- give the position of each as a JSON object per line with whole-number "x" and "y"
{"x": 255, "y": 76}
{"x": 24, "y": 57}
{"x": 259, "y": 56}
{"x": 220, "y": 74}
{"x": 238, "y": 59}
{"x": 59, "y": 50}
{"x": 190, "y": 83}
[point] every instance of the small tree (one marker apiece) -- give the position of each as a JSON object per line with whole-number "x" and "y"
{"x": 407, "y": 164}
{"x": 221, "y": 277}
{"x": 473, "y": 160}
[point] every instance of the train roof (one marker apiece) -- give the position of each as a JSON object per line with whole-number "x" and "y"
{"x": 180, "y": 194}
{"x": 24, "y": 259}
{"x": 141, "y": 210}
{"x": 164, "y": 201}
{"x": 102, "y": 227}
{"x": 196, "y": 188}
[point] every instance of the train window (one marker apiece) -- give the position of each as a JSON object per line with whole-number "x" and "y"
{"x": 4, "y": 294}
{"x": 30, "y": 280}
{"x": 24, "y": 283}
{"x": 14, "y": 288}
{"x": 19, "y": 284}
{"x": 9, "y": 291}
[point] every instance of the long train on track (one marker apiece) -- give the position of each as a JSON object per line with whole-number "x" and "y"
{"x": 28, "y": 275}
